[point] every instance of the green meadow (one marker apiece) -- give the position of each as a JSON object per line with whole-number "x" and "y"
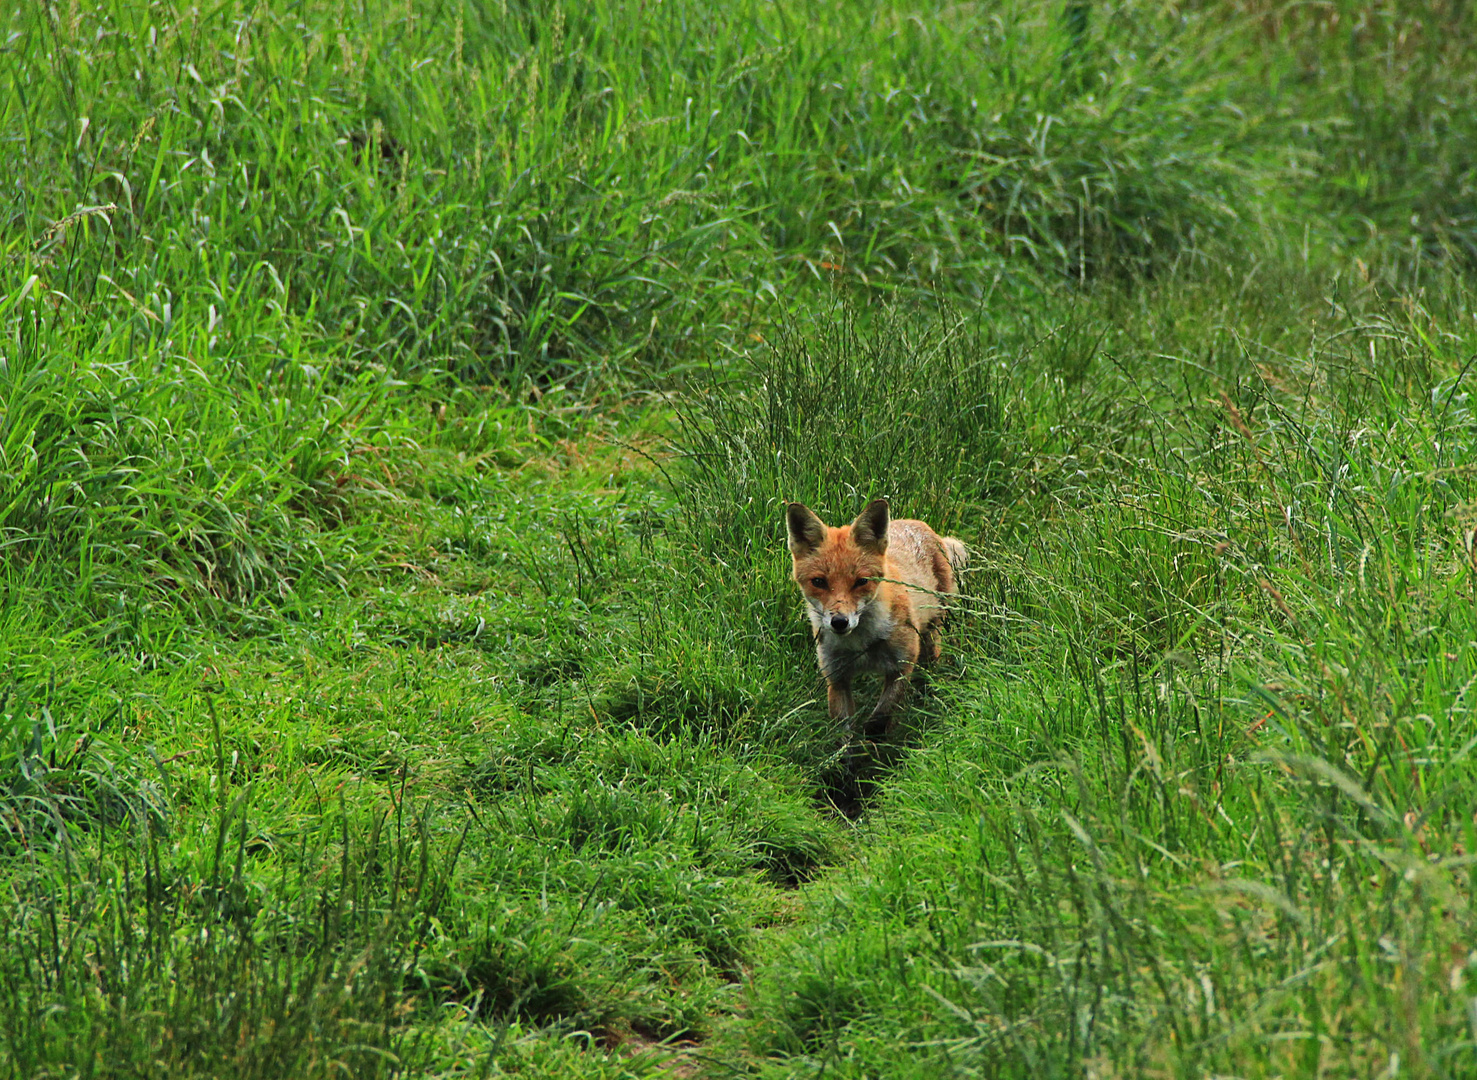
{"x": 399, "y": 670}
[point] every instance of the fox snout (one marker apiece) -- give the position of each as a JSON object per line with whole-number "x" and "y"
{"x": 837, "y": 612}
{"x": 841, "y": 624}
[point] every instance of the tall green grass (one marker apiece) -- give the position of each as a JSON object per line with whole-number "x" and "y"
{"x": 833, "y": 413}
{"x": 398, "y": 670}
{"x": 1392, "y": 88}
{"x": 510, "y": 192}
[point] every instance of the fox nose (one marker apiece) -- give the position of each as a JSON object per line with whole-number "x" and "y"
{"x": 840, "y": 624}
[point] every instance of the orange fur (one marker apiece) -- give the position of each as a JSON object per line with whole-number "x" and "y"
{"x": 874, "y": 592}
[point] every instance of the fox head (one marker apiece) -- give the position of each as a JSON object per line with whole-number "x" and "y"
{"x": 838, "y": 569}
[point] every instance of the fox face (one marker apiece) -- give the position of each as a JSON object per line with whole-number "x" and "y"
{"x": 838, "y": 569}
{"x": 838, "y": 590}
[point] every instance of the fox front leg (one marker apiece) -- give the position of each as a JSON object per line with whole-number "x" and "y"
{"x": 894, "y": 689}
{"x": 839, "y": 700}
{"x": 837, "y": 669}
{"x": 894, "y": 685}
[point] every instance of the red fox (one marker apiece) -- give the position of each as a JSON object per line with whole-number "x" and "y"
{"x": 875, "y": 592}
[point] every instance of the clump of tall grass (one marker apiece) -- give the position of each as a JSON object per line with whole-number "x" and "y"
{"x": 128, "y": 471}
{"x": 128, "y": 959}
{"x": 839, "y": 410}
{"x": 57, "y": 776}
{"x": 1103, "y": 139}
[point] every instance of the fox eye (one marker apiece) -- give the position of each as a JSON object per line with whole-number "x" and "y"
{"x": 863, "y": 582}
{"x": 818, "y": 582}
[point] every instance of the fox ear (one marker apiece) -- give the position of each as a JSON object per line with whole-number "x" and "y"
{"x": 869, "y": 530}
{"x": 807, "y": 532}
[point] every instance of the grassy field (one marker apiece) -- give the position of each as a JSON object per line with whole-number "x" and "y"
{"x": 399, "y": 674}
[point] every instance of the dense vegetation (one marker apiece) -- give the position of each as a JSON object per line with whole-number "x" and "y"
{"x": 398, "y": 669}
